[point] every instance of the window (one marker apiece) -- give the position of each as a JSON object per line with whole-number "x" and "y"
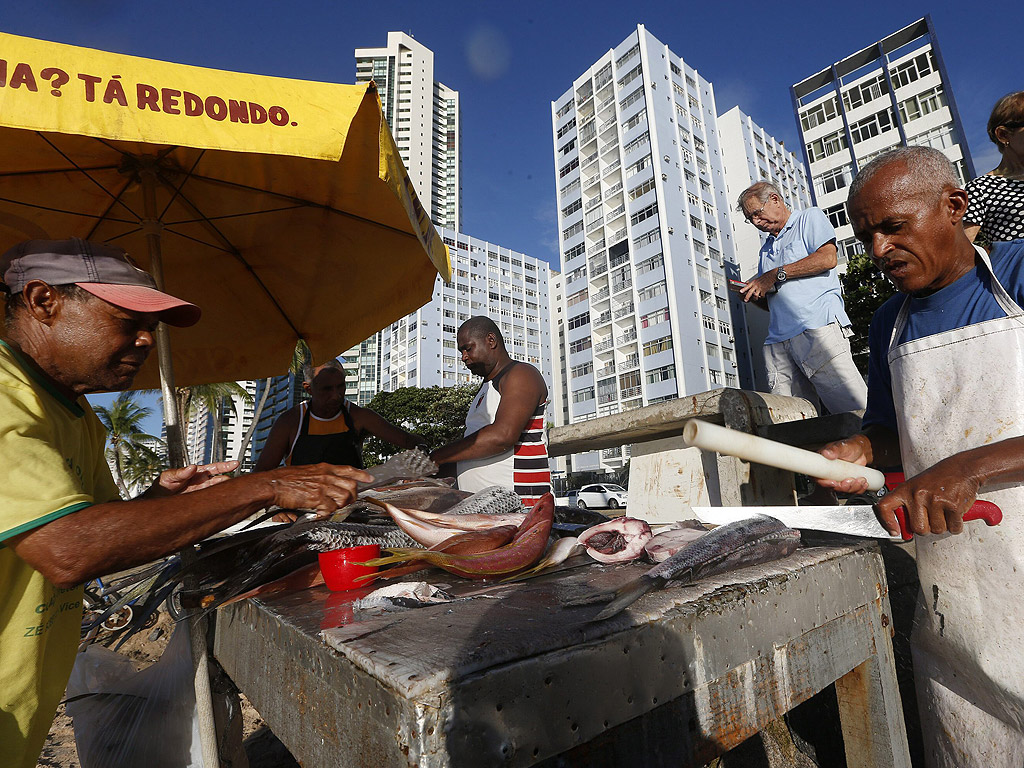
{"x": 582, "y": 395}
{"x": 716, "y": 376}
{"x": 630, "y": 76}
{"x": 916, "y": 68}
{"x": 638, "y": 166}
{"x": 640, "y": 141}
{"x": 569, "y": 188}
{"x": 697, "y": 124}
{"x": 579, "y": 321}
{"x": 864, "y": 92}
{"x": 581, "y": 370}
{"x": 653, "y": 318}
{"x": 644, "y": 213}
{"x": 572, "y": 207}
{"x": 565, "y": 109}
{"x": 698, "y": 144}
{"x": 651, "y": 291}
{"x": 580, "y": 345}
{"x": 872, "y": 126}
{"x": 576, "y": 250}
{"x": 631, "y": 98}
{"x": 694, "y": 200}
{"x": 650, "y": 264}
{"x": 575, "y": 229}
{"x": 658, "y": 345}
{"x": 723, "y": 327}
{"x": 567, "y": 127}
{"x": 837, "y": 215}
{"x": 675, "y": 68}
{"x": 646, "y": 239}
{"x": 703, "y": 272}
{"x": 567, "y": 147}
{"x": 826, "y": 145}
{"x": 830, "y": 181}
{"x": 635, "y": 120}
{"x": 643, "y": 189}
{"x": 705, "y": 296}
{"x": 922, "y": 104}
{"x": 939, "y": 138}
{"x": 569, "y": 167}
{"x": 709, "y": 322}
{"x": 624, "y": 57}
{"x": 819, "y": 114}
{"x": 576, "y": 298}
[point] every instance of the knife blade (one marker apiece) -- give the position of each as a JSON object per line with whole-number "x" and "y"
{"x": 850, "y": 519}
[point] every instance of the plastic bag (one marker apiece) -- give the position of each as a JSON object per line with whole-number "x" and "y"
{"x": 135, "y": 719}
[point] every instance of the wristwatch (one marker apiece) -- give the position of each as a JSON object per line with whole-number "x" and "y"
{"x": 780, "y": 276}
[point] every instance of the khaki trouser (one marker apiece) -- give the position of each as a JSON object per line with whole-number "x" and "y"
{"x": 817, "y": 364}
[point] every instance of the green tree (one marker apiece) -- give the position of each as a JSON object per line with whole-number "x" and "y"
{"x": 865, "y": 289}
{"x": 143, "y": 464}
{"x": 437, "y": 414}
{"x": 125, "y": 438}
{"x": 215, "y": 398}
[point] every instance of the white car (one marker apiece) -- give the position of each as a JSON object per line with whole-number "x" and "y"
{"x": 599, "y": 495}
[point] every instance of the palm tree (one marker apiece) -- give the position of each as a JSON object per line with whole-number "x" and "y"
{"x": 301, "y": 356}
{"x": 123, "y": 420}
{"x": 214, "y": 398}
{"x": 144, "y": 463}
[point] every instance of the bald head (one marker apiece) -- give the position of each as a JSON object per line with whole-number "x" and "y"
{"x": 478, "y": 327}
{"x": 925, "y": 171}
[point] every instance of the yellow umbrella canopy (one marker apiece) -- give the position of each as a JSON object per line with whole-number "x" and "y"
{"x": 280, "y": 207}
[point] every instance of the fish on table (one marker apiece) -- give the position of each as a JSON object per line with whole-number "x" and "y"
{"x": 759, "y": 539}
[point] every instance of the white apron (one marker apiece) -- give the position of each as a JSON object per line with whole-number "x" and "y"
{"x": 476, "y": 474}
{"x": 954, "y": 391}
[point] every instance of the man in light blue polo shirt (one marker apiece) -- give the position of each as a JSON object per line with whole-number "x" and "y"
{"x": 807, "y": 351}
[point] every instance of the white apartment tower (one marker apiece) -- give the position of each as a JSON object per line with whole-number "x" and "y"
{"x": 751, "y": 155}
{"x": 424, "y": 118}
{"x": 487, "y": 279}
{"x": 894, "y": 92}
{"x": 645, "y": 237}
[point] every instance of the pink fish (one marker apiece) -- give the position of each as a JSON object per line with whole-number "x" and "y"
{"x": 616, "y": 541}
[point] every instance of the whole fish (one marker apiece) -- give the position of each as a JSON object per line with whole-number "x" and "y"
{"x": 470, "y": 521}
{"x": 492, "y": 500}
{"x": 665, "y": 544}
{"x": 556, "y": 554}
{"x": 407, "y": 465}
{"x": 523, "y": 551}
{"x": 617, "y": 541}
{"x": 759, "y": 539}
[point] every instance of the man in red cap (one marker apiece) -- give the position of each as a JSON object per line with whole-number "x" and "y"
{"x": 80, "y": 318}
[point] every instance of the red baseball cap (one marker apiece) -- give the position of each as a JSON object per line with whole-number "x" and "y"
{"x": 103, "y": 270}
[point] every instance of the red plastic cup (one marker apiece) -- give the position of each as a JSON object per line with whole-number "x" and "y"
{"x": 340, "y": 567}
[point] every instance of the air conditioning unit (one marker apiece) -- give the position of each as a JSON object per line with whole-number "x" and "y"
{"x": 664, "y": 177}
{"x": 671, "y": 230}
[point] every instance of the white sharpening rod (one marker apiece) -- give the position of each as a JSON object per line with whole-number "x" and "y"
{"x": 711, "y": 437}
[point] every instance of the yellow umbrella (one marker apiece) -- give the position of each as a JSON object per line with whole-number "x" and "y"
{"x": 281, "y": 207}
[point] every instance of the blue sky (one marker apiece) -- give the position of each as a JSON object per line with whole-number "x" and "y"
{"x": 532, "y": 51}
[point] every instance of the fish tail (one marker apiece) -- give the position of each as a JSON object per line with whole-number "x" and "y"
{"x": 626, "y": 596}
{"x": 397, "y": 555}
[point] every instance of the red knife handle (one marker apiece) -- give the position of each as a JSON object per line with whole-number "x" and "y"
{"x": 980, "y": 510}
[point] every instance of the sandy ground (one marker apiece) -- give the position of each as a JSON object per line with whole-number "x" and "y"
{"x": 261, "y": 746}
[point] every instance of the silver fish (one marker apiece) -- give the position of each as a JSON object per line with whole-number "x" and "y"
{"x": 407, "y": 465}
{"x": 759, "y": 539}
{"x": 320, "y": 536}
{"x": 492, "y": 500}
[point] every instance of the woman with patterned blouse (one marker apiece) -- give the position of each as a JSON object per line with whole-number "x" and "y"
{"x": 996, "y": 208}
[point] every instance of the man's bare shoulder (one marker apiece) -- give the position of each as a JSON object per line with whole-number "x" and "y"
{"x": 526, "y": 376}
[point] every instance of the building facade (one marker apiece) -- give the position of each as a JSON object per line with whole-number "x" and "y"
{"x": 894, "y": 92}
{"x": 424, "y": 118}
{"x": 487, "y": 279}
{"x": 750, "y": 155}
{"x": 645, "y": 237}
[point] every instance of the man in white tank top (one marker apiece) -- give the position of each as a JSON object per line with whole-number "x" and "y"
{"x": 505, "y": 440}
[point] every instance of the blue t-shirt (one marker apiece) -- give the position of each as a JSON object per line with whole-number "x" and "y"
{"x": 967, "y": 301}
{"x": 806, "y": 302}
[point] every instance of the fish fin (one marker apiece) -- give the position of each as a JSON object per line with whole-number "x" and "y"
{"x": 397, "y": 555}
{"x": 627, "y": 595}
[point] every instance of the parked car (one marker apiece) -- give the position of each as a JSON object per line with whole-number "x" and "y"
{"x": 598, "y": 495}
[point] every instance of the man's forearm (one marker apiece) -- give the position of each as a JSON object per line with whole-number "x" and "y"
{"x": 481, "y": 444}
{"x": 105, "y": 538}
{"x": 821, "y": 260}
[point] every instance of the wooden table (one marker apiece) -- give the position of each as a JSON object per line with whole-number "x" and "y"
{"x": 511, "y": 677}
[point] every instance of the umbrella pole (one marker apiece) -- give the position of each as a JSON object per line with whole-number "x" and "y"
{"x": 176, "y": 448}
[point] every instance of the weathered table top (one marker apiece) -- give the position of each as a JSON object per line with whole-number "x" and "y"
{"x": 508, "y": 675}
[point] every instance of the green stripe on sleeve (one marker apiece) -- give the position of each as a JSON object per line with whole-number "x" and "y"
{"x": 31, "y": 524}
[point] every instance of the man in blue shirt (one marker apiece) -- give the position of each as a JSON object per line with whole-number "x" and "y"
{"x": 807, "y": 351}
{"x": 946, "y": 401}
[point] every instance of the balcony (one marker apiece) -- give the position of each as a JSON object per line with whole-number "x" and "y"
{"x": 618, "y": 211}
{"x": 596, "y": 247}
{"x": 590, "y": 182}
{"x": 629, "y": 335}
{"x": 606, "y": 397}
{"x": 620, "y": 235}
{"x": 617, "y": 187}
{"x": 622, "y": 258}
{"x": 608, "y": 370}
{"x": 621, "y": 286}
{"x": 611, "y": 167}
{"x": 630, "y": 392}
{"x": 598, "y": 268}
{"x": 631, "y": 361}
{"x": 592, "y": 203}
{"x": 604, "y": 346}
{"x": 623, "y": 311}
{"x": 603, "y": 319}
{"x": 601, "y": 295}
{"x": 595, "y": 224}
{"x": 589, "y": 161}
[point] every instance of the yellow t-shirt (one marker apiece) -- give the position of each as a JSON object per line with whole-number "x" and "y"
{"x": 51, "y": 464}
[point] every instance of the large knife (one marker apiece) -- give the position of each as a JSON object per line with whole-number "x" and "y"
{"x": 851, "y": 519}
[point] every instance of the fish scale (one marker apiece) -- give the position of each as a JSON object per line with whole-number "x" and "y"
{"x": 492, "y": 500}
{"x": 325, "y": 536}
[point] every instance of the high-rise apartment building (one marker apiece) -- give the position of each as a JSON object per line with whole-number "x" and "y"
{"x": 751, "y": 154}
{"x": 487, "y": 279}
{"x": 894, "y": 92}
{"x": 645, "y": 237}
{"x": 424, "y": 118}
